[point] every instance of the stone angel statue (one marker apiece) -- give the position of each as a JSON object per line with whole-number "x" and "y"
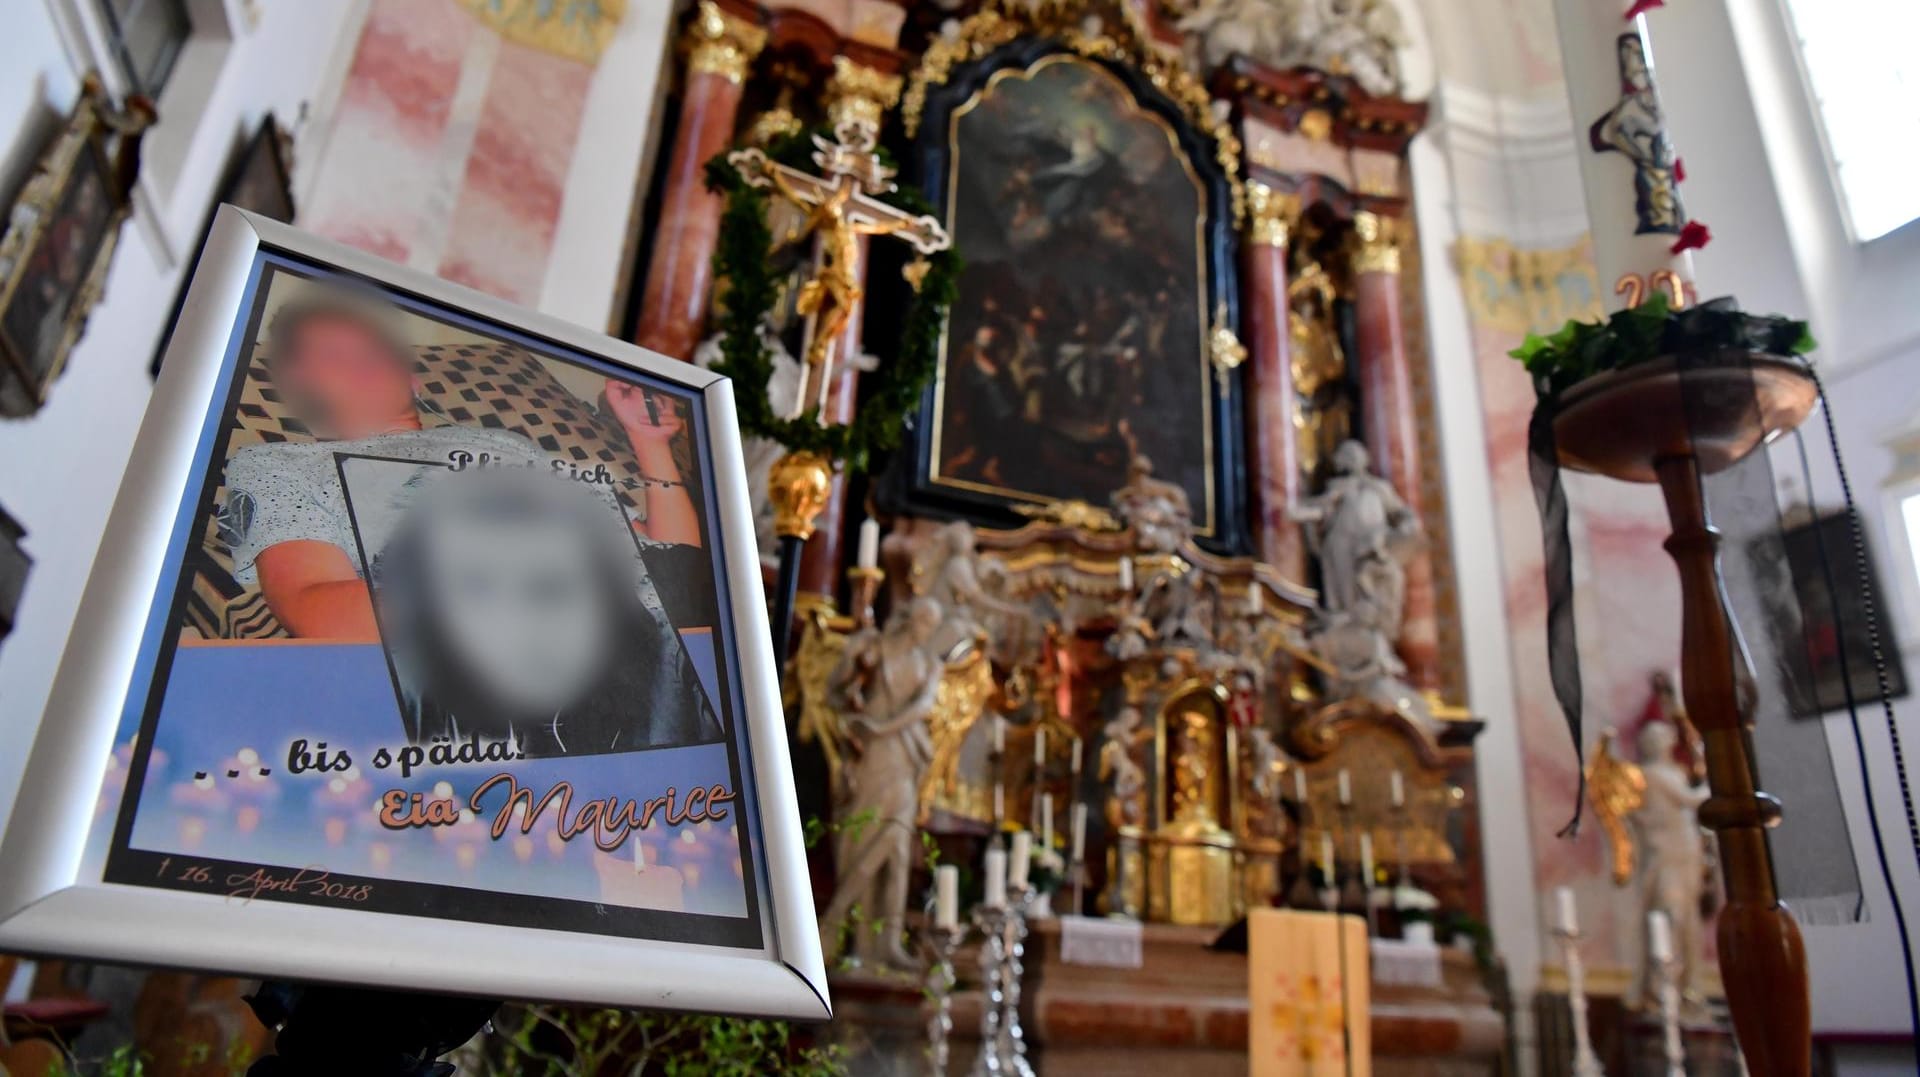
{"x": 886, "y": 684}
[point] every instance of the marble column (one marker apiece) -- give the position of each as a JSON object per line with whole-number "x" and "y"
{"x": 1272, "y": 441}
{"x": 1387, "y": 421}
{"x": 859, "y": 95}
{"x": 673, "y": 311}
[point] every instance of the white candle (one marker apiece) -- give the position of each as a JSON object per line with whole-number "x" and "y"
{"x": 1076, "y": 759}
{"x": 1326, "y": 856}
{"x": 1300, "y": 784}
{"x": 1569, "y": 913}
{"x": 1399, "y": 791}
{"x": 869, "y": 556}
{"x": 999, "y": 802}
{"x": 1126, "y": 573}
{"x": 994, "y": 894}
{"x": 999, "y": 729}
{"x": 946, "y": 897}
{"x": 1254, "y": 599}
{"x": 1366, "y": 859}
{"x": 1079, "y": 830}
{"x": 1659, "y": 936}
{"x": 639, "y": 855}
{"x": 1346, "y": 788}
{"x": 1633, "y": 201}
{"x": 1039, "y": 747}
{"x": 1046, "y": 821}
{"x": 1020, "y": 860}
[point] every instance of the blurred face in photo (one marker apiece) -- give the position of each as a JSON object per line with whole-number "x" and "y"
{"x": 516, "y": 593}
{"x": 343, "y": 371}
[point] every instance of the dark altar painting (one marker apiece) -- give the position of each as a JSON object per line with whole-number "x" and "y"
{"x": 1836, "y": 603}
{"x": 1081, "y": 321}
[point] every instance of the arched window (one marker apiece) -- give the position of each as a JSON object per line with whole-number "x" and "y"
{"x": 1864, "y": 79}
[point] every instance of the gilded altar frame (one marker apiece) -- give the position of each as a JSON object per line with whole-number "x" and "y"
{"x": 993, "y": 48}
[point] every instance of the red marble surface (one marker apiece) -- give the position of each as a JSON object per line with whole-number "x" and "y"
{"x": 1272, "y": 446}
{"x": 1387, "y": 418}
{"x": 501, "y": 234}
{"x": 673, "y": 313}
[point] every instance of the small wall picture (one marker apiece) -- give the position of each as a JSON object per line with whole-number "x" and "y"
{"x": 1836, "y": 621}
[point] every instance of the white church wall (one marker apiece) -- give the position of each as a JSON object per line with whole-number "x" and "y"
{"x": 65, "y": 462}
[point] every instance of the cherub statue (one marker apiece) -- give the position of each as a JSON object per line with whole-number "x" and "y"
{"x": 1121, "y": 769}
{"x": 887, "y": 683}
{"x": 1255, "y": 28}
{"x": 947, "y": 568}
{"x": 1157, "y": 510}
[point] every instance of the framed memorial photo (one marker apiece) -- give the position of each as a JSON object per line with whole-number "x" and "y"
{"x": 426, "y": 649}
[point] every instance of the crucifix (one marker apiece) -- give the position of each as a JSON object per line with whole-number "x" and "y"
{"x": 841, "y": 206}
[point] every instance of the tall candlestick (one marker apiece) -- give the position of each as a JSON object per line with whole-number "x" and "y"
{"x": 1126, "y": 573}
{"x": 1020, "y": 861}
{"x": 1366, "y": 859}
{"x": 946, "y": 897}
{"x": 1346, "y": 788}
{"x": 1046, "y": 821}
{"x": 1399, "y": 789}
{"x": 1569, "y": 912}
{"x": 1039, "y": 749}
{"x": 1079, "y": 830}
{"x": 994, "y": 893}
{"x": 869, "y": 552}
{"x": 1659, "y": 935}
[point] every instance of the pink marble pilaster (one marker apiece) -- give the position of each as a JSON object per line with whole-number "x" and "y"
{"x": 1272, "y": 444}
{"x": 1387, "y": 420}
{"x": 673, "y": 311}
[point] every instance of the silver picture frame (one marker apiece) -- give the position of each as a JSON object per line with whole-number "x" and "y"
{"x": 52, "y": 902}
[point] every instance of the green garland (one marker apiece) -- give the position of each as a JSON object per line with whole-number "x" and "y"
{"x": 1579, "y": 350}
{"x": 743, "y": 258}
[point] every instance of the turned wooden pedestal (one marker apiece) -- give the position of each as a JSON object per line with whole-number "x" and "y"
{"x": 1636, "y": 425}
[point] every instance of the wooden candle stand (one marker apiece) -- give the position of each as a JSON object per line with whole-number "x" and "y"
{"x": 1655, "y": 423}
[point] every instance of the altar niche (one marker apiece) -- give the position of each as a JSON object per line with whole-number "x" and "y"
{"x": 1098, "y": 230}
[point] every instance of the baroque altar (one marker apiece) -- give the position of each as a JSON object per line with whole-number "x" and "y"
{"x": 1165, "y": 521}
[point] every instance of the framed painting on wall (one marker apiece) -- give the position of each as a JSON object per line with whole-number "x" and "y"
{"x": 260, "y": 181}
{"x": 1096, "y": 227}
{"x": 1835, "y": 604}
{"x": 60, "y": 236}
{"x": 426, "y": 648}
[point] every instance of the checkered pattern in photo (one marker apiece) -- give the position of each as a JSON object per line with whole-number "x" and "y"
{"x": 492, "y": 385}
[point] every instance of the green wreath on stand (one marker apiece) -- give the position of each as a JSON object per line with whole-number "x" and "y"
{"x": 743, "y": 259}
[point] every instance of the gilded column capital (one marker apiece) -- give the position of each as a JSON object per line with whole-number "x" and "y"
{"x": 1376, "y": 244}
{"x": 860, "y": 95}
{"x": 722, "y": 44}
{"x": 1270, "y": 215}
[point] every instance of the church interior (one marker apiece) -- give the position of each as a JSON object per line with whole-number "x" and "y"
{"x": 1193, "y": 661}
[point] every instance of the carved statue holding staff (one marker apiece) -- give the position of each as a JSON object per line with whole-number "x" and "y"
{"x": 1674, "y": 871}
{"x": 886, "y": 685}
